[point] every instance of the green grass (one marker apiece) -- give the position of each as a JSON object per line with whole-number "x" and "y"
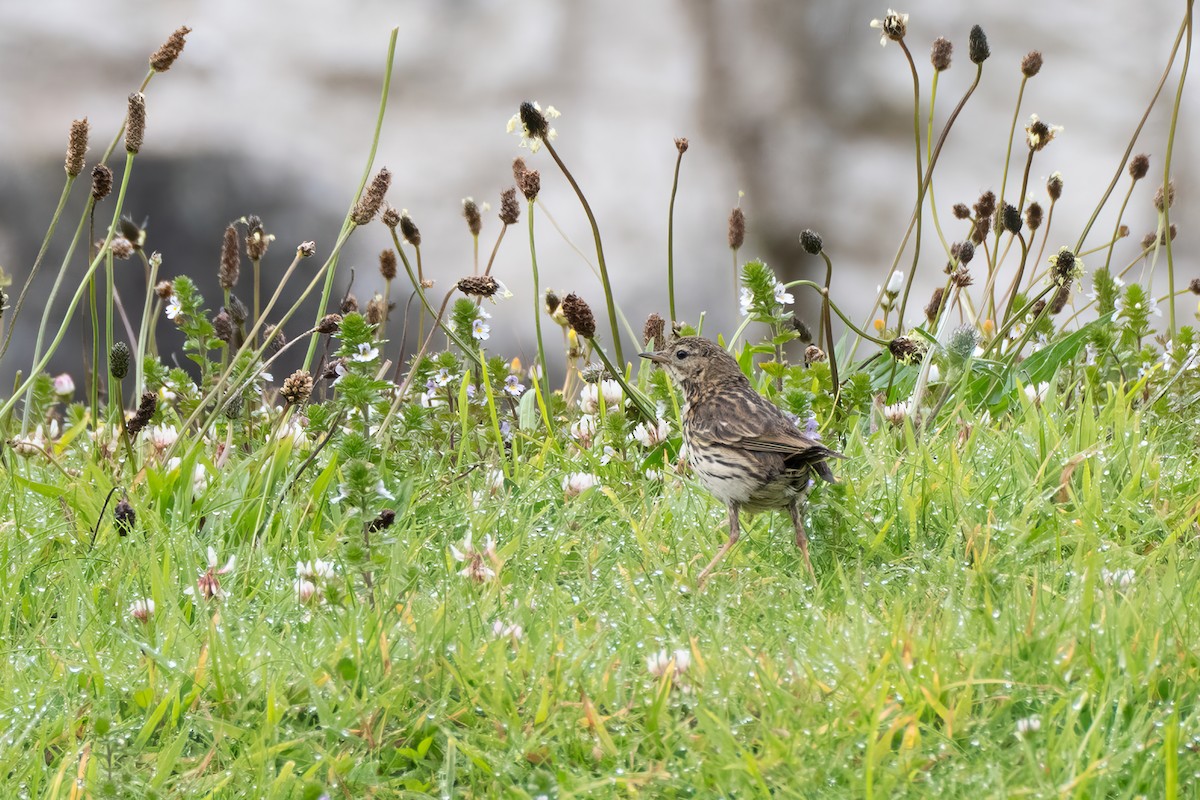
{"x": 964, "y": 584}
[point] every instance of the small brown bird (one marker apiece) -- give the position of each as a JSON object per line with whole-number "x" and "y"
{"x": 742, "y": 448}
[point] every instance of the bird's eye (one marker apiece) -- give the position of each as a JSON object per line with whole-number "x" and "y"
{"x": 681, "y": 354}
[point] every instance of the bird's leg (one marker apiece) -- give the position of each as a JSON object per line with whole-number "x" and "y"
{"x": 801, "y": 536}
{"x": 734, "y": 532}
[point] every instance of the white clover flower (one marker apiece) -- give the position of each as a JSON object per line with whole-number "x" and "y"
{"x": 142, "y": 610}
{"x": 1028, "y": 726}
{"x": 657, "y": 664}
{"x": 583, "y": 430}
{"x": 199, "y": 479}
{"x": 576, "y": 483}
{"x": 590, "y": 395}
{"x": 782, "y": 296}
{"x": 30, "y": 445}
{"x": 649, "y": 434}
{"x": 1121, "y": 579}
{"x": 501, "y": 630}
{"x": 534, "y": 143}
{"x": 480, "y": 330}
{"x": 174, "y": 307}
{"x": 64, "y": 385}
{"x": 316, "y": 570}
{"x": 306, "y": 591}
{"x": 896, "y": 413}
{"x": 893, "y": 26}
{"x": 208, "y": 585}
{"x": 366, "y": 353}
{"x": 161, "y": 437}
{"x": 475, "y": 562}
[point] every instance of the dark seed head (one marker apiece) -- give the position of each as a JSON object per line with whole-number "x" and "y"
{"x": 390, "y": 216}
{"x": 118, "y": 360}
{"x": 409, "y": 229}
{"x": 1139, "y": 165}
{"x": 223, "y": 326}
{"x": 939, "y": 54}
{"x": 257, "y": 239}
{"x": 652, "y": 332}
{"x": 162, "y": 58}
{"x": 478, "y": 285}
{"x": 737, "y": 228}
{"x": 1011, "y": 218}
{"x": 510, "y": 209}
{"x": 681, "y": 144}
{"x": 810, "y": 240}
{"x": 125, "y": 517}
{"x": 1033, "y": 216}
{"x": 472, "y": 216}
{"x": 297, "y": 387}
{"x": 961, "y": 211}
{"x": 933, "y": 310}
{"x": 372, "y": 200}
{"x": 529, "y": 181}
{"x": 1054, "y": 185}
{"x": 536, "y": 126}
{"x": 329, "y": 324}
{"x": 387, "y": 264}
{"x": 977, "y": 46}
{"x": 102, "y": 182}
{"x": 77, "y": 145}
{"x": 231, "y": 260}
{"x": 135, "y": 123}
{"x": 1031, "y": 64}
{"x": 579, "y": 316}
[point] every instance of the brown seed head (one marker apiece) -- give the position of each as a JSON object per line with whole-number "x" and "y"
{"x": 231, "y": 260}
{"x": 906, "y": 350}
{"x": 579, "y": 316}
{"x": 162, "y": 58}
{"x": 803, "y": 332}
{"x": 1037, "y": 308}
{"x": 966, "y": 252}
{"x": 1159, "y": 205}
{"x": 409, "y": 229}
{"x": 1031, "y": 64}
{"x": 135, "y": 233}
{"x": 223, "y": 326}
{"x": 977, "y": 46}
{"x": 933, "y": 310}
{"x": 387, "y": 264}
{"x": 1170, "y": 232}
{"x": 1054, "y": 185}
{"x": 1010, "y": 217}
{"x": 135, "y": 123}
{"x": 124, "y": 517}
{"x": 681, "y": 144}
{"x": 961, "y": 277}
{"x": 653, "y": 332}
{"x": 1139, "y": 165}
{"x": 306, "y": 249}
{"x": 77, "y": 146}
{"x": 273, "y": 338}
{"x": 961, "y": 211}
{"x": 164, "y": 290}
{"x": 1060, "y": 299}
{"x": 939, "y": 54}
{"x": 375, "y": 309}
{"x": 121, "y": 248}
{"x": 385, "y": 520}
{"x": 813, "y": 354}
{"x": 1148, "y": 241}
{"x": 737, "y": 229}
{"x": 529, "y": 181}
{"x": 982, "y": 226}
{"x": 1194, "y": 286}
{"x": 810, "y": 240}
{"x": 1123, "y": 232}
{"x": 297, "y": 387}
{"x": 536, "y": 126}
{"x": 478, "y": 285}
{"x": 329, "y": 323}
{"x": 102, "y": 182}
{"x": 1033, "y": 216}
{"x": 510, "y": 209}
{"x": 143, "y": 415}
{"x": 985, "y": 207}
{"x": 368, "y": 205}
{"x": 349, "y": 304}
{"x": 1064, "y": 267}
{"x": 257, "y": 240}
{"x": 237, "y": 310}
{"x": 390, "y": 216}
{"x": 471, "y": 215}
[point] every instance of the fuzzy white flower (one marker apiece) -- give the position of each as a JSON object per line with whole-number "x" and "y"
{"x": 649, "y": 434}
{"x": 32, "y": 444}
{"x": 576, "y": 483}
{"x": 208, "y": 585}
{"x": 174, "y": 307}
{"x": 501, "y": 630}
{"x": 161, "y": 437}
{"x": 1038, "y": 134}
{"x": 590, "y": 395}
{"x": 782, "y": 296}
{"x": 1027, "y": 726}
{"x": 583, "y": 430}
{"x": 306, "y": 591}
{"x": 1120, "y": 579}
{"x": 896, "y": 413}
{"x": 1036, "y": 393}
{"x": 746, "y": 301}
{"x": 316, "y": 570}
{"x": 365, "y": 353}
{"x": 658, "y": 663}
{"x": 478, "y": 565}
{"x": 480, "y": 330}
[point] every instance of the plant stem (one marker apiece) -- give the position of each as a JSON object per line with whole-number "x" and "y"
{"x": 671, "y": 236}
{"x": 541, "y": 378}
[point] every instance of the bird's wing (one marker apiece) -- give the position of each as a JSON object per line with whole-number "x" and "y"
{"x": 756, "y": 424}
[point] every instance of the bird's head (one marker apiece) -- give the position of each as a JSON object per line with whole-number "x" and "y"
{"x": 693, "y": 361}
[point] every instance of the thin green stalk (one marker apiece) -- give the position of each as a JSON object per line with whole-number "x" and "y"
{"x": 671, "y": 231}
{"x": 830, "y": 348}
{"x": 819, "y": 289}
{"x": 921, "y": 188}
{"x": 347, "y": 224}
{"x": 1012, "y": 296}
{"x": 587, "y": 209}
{"x": 62, "y": 271}
{"x": 1187, "y": 57}
{"x": 541, "y": 378}
{"x": 83, "y": 284}
{"x": 142, "y": 334}
{"x": 637, "y": 397}
{"x": 1012, "y": 130}
{"x": 37, "y": 263}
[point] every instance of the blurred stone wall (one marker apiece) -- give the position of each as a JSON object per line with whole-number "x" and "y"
{"x": 271, "y": 108}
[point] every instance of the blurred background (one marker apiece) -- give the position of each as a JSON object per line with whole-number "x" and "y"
{"x": 270, "y": 111}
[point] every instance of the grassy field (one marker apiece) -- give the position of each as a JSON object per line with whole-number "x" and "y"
{"x": 450, "y": 578}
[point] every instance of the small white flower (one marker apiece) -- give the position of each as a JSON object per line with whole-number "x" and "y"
{"x": 782, "y": 296}
{"x": 64, "y": 385}
{"x": 658, "y": 663}
{"x": 590, "y": 395}
{"x": 208, "y": 585}
{"x": 494, "y": 480}
{"x": 199, "y": 479}
{"x": 480, "y": 330}
{"x": 142, "y": 610}
{"x": 576, "y": 483}
{"x": 382, "y": 491}
{"x": 1027, "y": 726}
{"x": 365, "y": 353}
{"x": 442, "y": 378}
{"x": 507, "y": 631}
{"x": 316, "y": 570}
{"x": 1038, "y": 134}
{"x": 649, "y": 434}
{"x": 174, "y": 308}
{"x": 32, "y": 444}
{"x": 746, "y": 301}
{"x": 513, "y": 386}
{"x": 476, "y": 562}
{"x": 161, "y": 437}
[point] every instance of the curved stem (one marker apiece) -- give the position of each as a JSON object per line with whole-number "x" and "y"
{"x": 541, "y": 378}
{"x": 671, "y": 237}
{"x": 1187, "y": 57}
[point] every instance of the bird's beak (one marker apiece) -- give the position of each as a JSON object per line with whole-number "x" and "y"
{"x": 657, "y": 358}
